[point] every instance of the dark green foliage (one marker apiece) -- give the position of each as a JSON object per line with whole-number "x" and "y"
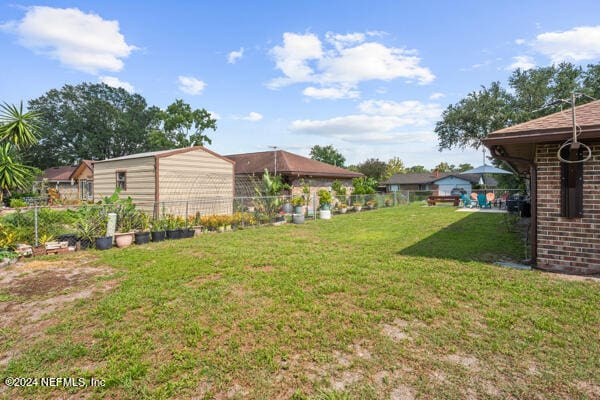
{"x": 491, "y": 108}
{"x": 373, "y": 168}
{"x": 327, "y": 154}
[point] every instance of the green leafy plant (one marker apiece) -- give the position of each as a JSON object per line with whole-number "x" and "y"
{"x": 16, "y": 203}
{"x": 324, "y": 198}
{"x": 297, "y": 201}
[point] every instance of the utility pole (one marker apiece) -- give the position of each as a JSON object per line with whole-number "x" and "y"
{"x": 275, "y": 153}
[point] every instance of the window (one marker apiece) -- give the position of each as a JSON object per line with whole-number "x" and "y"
{"x": 571, "y": 184}
{"x": 122, "y": 180}
{"x": 85, "y": 190}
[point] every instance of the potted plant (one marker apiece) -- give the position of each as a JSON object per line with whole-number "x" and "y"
{"x": 324, "y": 204}
{"x": 142, "y": 235}
{"x": 298, "y": 203}
{"x": 86, "y": 232}
{"x": 357, "y": 203}
{"x": 171, "y": 227}
{"x": 371, "y": 204}
{"x": 157, "y": 230}
{"x": 343, "y": 208}
{"x": 388, "y": 202}
{"x": 103, "y": 242}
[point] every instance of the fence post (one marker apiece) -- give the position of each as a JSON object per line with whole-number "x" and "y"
{"x": 35, "y": 225}
{"x": 314, "y": 206}
{"x": 186, "y": 213}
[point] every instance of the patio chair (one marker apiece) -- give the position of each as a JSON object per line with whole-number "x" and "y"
{"x": 482, "y": 201}
{"x": 467, "y": 202}
{"x": 490, "y": 198}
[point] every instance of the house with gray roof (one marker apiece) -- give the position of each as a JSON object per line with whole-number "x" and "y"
{"x": 440, "y": 183}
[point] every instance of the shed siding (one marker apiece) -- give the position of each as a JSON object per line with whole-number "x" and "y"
{"x": 197, "y": 180}
{"x": 446, "y": 185}
{"x": 140, "y": 180}
{"x": 567, "y": 244}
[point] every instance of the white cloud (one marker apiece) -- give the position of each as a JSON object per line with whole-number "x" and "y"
{"x": 436, "y": 96}
{"x": 191, "y": 85}
{"x": 292, "y": 58}
{"x": 578, "y": 44}
{"x": 342, "y": 62}
{"x": 234, "y": 56}
{"x": 523, "y": 62}
{"x": 252, "y": 117}
{"x": 331, "y": 93}
{"x": 81, "y": 41}
{"x": 116, "y": 82}
{"x": 425, "y": 113}
{"x": 380, "y": 122}
{"x": 519, "y": 41}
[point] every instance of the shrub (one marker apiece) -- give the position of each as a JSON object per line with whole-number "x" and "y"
{"x": 16, "y": 203}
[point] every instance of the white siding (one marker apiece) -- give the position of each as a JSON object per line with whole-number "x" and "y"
{"x": 140, "y": 180}
{"x": 198, "y": 180}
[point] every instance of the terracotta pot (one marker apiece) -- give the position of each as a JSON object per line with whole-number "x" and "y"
{"x": 123, "y": 239}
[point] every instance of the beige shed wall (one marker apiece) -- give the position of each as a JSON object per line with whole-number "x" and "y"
{"x": 139, "y": 175}
{"x": 197, "y": 180}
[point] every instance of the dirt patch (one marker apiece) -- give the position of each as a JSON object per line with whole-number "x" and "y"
{"x": 40, "y": 287}
{"x": 470, "y": 363}
{"x": 204, "y": 279}
{"x": 396, "y": 330}
{"x": 402, "y": 392}
{"x": 261, "y": 268}
{"x": 590, "y": 389}
{"x": 346, "y": 379}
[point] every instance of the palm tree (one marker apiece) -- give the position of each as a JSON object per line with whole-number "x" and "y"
{"x": 13, "y": 175}
{"x": 18, "y": 128}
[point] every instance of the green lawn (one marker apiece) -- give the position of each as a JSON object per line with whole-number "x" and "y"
{"x": 394, "y": 303}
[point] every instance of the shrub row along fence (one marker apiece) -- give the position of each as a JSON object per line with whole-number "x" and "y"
{"x": 81, "y": 225}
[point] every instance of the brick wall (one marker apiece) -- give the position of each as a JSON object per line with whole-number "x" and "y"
{"x": 567, "y": 244}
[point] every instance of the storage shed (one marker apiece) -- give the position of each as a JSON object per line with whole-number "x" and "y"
{"x": 182, "y": 181}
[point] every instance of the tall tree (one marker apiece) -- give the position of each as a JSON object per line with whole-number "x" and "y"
{"x": 327, "y": 154}
{"x": 88, "y": 121}
{"x": 180, "y": 126}
{"x": 373, "y": 168}
{"x": 465, "y": 123}
{"x": 444, "y": 167}
{"x": 472, "y": 118}
{"x": 464, "y": 167}
{"x": 394, "y": 166}
{"x": 416, "y": 169}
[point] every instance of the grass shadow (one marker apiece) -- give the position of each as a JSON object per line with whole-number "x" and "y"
{"x": 476, "y": 237}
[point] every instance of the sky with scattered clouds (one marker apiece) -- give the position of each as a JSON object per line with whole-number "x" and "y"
{"x": 370, "y": 78}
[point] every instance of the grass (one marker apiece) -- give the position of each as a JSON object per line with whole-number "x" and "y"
{"x": 389, "y": 303}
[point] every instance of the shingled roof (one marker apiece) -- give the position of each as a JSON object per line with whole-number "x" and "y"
{"x": 287, "y": 164}
{"x": 426, "y": 178}
{"x": 553, "y": 126}
{"x": 58, "y": 173}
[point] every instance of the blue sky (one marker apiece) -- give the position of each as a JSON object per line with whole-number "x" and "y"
{"x": 371, "y": 78}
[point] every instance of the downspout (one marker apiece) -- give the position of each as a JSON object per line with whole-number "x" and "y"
{"x": 533, "y": 194}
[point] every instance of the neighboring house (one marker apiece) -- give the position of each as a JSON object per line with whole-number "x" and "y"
{"x": 83, "y": 176}
{"x": 565, "y": 197}
{"x": 182, "y": 181}
{"x": 295, "y": 170}
{"x": 59, "y": 178}
{"x": 439, "y": 183}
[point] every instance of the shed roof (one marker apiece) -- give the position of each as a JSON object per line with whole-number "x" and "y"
{"x": 164, "y": 153}
{"x": 288, "y": 164}
{"x": 58, "y": 173}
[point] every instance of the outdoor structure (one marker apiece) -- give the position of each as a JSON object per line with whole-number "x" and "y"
{"x": 83, "y": 176}
{"x": 59, "y": 178}
{"x": 438, "y": 183}
{"x": 296, "y": 170}
{"x": 565, "y": 197}
{"x": 182, "y": 181}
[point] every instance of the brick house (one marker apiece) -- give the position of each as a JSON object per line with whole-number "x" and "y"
{"x": 565, "y": 197}
{"x": 295, "y": 170}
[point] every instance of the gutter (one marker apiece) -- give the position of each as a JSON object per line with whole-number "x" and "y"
{"x": 533, "y": 193}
